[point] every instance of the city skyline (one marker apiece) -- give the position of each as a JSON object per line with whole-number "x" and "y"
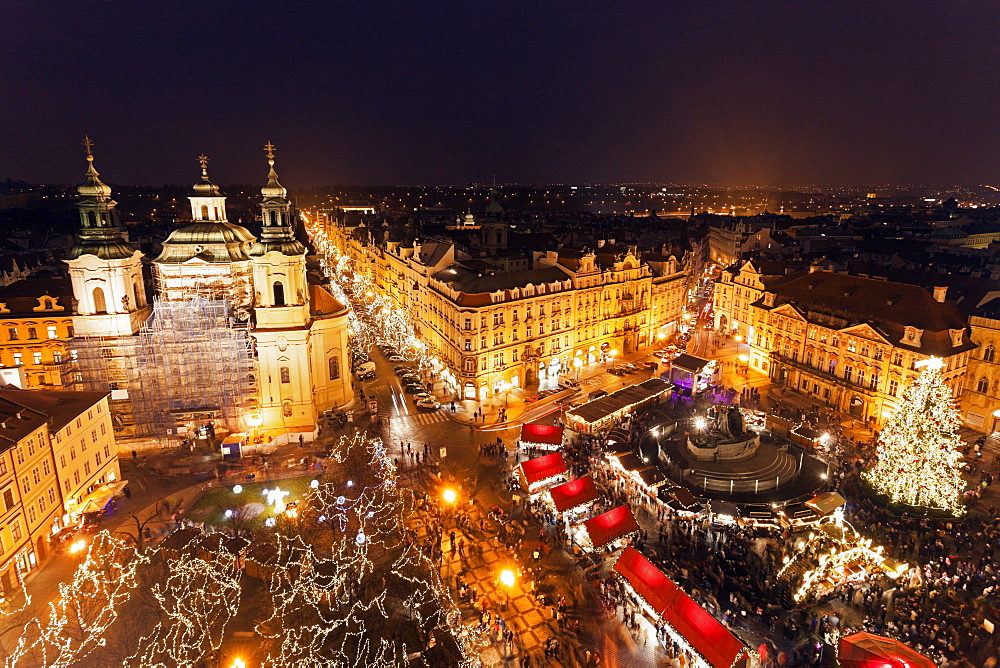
{"x": 774, "y": 95}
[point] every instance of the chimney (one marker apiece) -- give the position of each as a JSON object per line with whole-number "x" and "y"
{"x": 940, "y": 292}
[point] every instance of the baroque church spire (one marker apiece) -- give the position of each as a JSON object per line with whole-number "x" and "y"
{"x": 100, "y": 232}
{"x": 277, "y": 228}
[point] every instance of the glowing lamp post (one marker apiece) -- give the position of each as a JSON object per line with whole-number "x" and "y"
{"x": 578, "y": 363}
{"x": 450, "y": 496}
{"x": 507, "y": 578}
{"x": 700, "y": 423}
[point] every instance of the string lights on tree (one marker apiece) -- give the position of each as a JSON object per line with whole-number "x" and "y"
{"x": 918, "y": 457}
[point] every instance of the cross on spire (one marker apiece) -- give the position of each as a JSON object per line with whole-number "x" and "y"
{"x": 269, "y": 151}
{"x": 203, "y": 161}
{"x": 88, "y": 145}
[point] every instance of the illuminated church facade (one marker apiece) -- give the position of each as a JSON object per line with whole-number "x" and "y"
{"x": 237, "y": 333}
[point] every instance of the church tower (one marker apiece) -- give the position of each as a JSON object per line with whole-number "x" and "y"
{"x": 105, "y": 271}
{"x": 493, "y": 229}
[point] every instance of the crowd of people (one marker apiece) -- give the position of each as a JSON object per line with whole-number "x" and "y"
{"x": 733, "y": 571}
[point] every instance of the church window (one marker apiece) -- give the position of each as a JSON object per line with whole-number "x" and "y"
{"x": 334, "y": 367}
{"x": 286, "y": 376}
{"x": 204, "y": 212}
{"x": 279, "y": 294}
{"x": 100, "y": 306}
{"x": 989, "y": 353}
{"x": 983, "y": 386}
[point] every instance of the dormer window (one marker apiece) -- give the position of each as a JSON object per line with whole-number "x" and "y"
{"x": 912, "y": 336}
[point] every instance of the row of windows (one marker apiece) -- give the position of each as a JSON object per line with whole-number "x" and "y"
{"x": 37, "y": 357}
{"x": 51, "y": 332}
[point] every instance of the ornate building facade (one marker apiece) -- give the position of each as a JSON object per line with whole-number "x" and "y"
{"x": 236, "y": 334}
{"x": 853, "y": 343}
{"x": 494, "y": 330}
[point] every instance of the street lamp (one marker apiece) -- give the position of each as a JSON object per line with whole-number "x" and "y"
{"x": 507, "y": 577}
{"x": 578, "y": 363}
{"x": 450, "y": 496}
{"x": 700, "y": 423}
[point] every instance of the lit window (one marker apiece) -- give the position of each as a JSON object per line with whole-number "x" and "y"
{"x": 52, "y": 333}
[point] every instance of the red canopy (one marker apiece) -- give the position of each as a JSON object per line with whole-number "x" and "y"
{"x": 864, "y": 650}
{"x": 540, "y": 468}
{"x": 646, "y": 579}
{"x": 541, "y": 433}
{"x": 574, "y": 493}
{"x": 610, "y": 526}
{"x": 704, "y": 632}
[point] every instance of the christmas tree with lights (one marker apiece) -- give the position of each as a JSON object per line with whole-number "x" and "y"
{"x": 918, "y": 453}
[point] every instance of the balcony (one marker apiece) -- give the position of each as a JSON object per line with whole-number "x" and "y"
{"x": 825, "y": 375}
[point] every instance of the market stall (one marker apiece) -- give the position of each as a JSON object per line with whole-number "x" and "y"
{"x": 613, "y": 525}
{"x": 865, "y": 650}
{"x": 688, "y": 624}
{"x": 603, "y": 413}
{"x": 826, "y": 503}
{"x": 541, "y": 436}
{"x": 574, "y": 495}
{"x": 691, "y": 375}
{"x": 724, "y": 512}
{"x": 541, "y": 472}
{"x": 681, "y": 501}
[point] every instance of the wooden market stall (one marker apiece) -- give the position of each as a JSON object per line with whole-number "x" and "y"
{"x": 602, "y": 413}
{"x": 538, "y": 473}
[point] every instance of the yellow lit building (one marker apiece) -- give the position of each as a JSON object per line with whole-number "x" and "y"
{"x": 36, "y": 321}
{"x": 853, "y": 343}
{"x": 493, "y": 330}
{"x": 981, "y": 398}
{"x": 82, "y": 441}
{"x": 30, "y": 502}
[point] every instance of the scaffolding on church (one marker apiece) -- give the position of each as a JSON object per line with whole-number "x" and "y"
{"x": 192, "y": 363}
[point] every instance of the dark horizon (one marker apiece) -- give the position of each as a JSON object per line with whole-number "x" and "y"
{"x": 772, "y": 94}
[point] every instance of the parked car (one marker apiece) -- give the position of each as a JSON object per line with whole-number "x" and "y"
{"x": 597, "y": 394}
{"x": 413, "y": 388}
{"x": 568, "y": 383}
{"x": 532, "y": 398}
{"x": 428, "y": 403}
{"x": 653, "y": 366}
{"x": 422, "y": 395}
{"x": 396, "y": 359}
{"x": 365, "y": 377}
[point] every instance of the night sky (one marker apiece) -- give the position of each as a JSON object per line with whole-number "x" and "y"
{"x": 732, "y": 93}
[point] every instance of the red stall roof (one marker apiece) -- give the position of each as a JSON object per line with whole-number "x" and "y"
{"x": 647, "y": 580}
{"x": 865, "y": 649}
{"x": 541, "y": 433}
{"x": 540, "y": 468}
{"x": 574, "y": 493}
{"x": 704, "y": 632}
{"x": 610, "y": 526}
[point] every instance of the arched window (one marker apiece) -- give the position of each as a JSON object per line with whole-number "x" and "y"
{"x": 100, "y": 306}
{"x": 274, "y": 217}
{"x": 334, "y": 368}
{"x": 983, "y": 386}
{"x": 204, "y": 212}
{"x": 286, "y": 376}
{"x": 279, "y": 294}
{"x": 92, "y": 218}
{"x": 989, "y": 353}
